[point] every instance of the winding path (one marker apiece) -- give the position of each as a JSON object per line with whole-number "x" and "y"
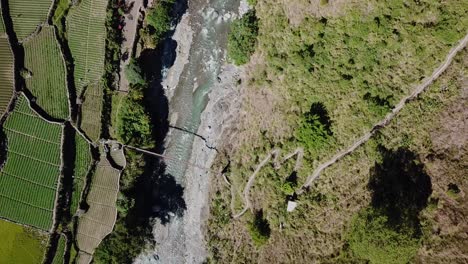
{"x": 418, "y": 90}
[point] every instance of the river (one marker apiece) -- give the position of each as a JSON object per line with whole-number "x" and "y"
{"x": 203, "y": 34}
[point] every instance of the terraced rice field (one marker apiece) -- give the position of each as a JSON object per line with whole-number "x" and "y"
{"x": 47, "y": 81}
{"x": 87, "y": 38}
{"x": 91, "y": 109}
{"x": 29, "y": 178}
{"x": 27, "y": 15}
{"x": 21, "y": 244}
{"x": 2, "y": 25}
{"x": 99, "y": 220}
{"x": 6, "y": 74}
{"x": 60, "y": 252}
{"x": 83, "y": 161}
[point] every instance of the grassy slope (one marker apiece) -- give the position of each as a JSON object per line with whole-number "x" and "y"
{"x": 20, "y": 245}
{"x": 335, "y": 61}
{"x": 47, "y": 83}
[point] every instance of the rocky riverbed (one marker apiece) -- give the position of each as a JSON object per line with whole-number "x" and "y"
{"x": 203, "y": 100}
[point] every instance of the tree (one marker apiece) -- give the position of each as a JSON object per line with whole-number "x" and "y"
{"x": 243, "y": 38}
{"x": 134, "y": 74}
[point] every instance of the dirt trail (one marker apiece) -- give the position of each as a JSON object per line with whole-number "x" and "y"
{"x": 419, "y": 89}
{"x": 129, "y": 32}
{"x": 299, "y": 152}
{"x": 274, "y": 153}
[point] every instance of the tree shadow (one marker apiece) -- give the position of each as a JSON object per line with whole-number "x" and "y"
{"x": 167, "y": 197}
{"x": 318, "y": 109}
{"x": 400, "y": 188}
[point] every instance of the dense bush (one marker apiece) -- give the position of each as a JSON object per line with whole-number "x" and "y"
{"x": 158, "y": 23}
{"x": 134, "y": 74}
{"x": 134, "y": 127}
{"x": 371, "y": 238}
{"x": 314, "y": 129}
{"x": 243, "y": 38}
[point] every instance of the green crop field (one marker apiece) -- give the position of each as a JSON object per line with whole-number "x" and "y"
{"x": 21, "y": 244}
{"x": 90, "y": 121}
{"x": 60, "y": 252}
{"x": 29, "y": 178}
{"x": 87, "y": 38}
{"x": 47, "y": 79}
{"x": 83, "y": 160}
{"x": 27, "y": 15}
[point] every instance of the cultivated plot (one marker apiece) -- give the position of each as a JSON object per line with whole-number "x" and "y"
{"x": 46, "y": 77}
{"x": 29, "y": 178}
{"x": 91, "y": 108}
{"x": 87, "y": 39}
{"x": 83, "y": 161}
{"x": 2, "y": 25}
{"x": 27, "y": 15}
{"x": 60, "y": 252}
{"x": 21, "y": 244}
{"x": 7, "y": 73}
{"x": 99, "y": 220}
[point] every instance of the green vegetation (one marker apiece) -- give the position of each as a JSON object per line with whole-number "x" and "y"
{"x": 158, "y": 23}
{"x": 373, "y": 240}
{"x": 60, "y": 13}
{"x": 83, "y": 161}
{"x": 134, "y": 73}
{"x": 314, "y": 128}
{"x": 60, "y": 252}
{"x": 134, "y": 125}
{"x": 453, "y": 191}
{"x": 87, "y": 39}
{"x": 28, "y": 15}
{"x": 243, "y": 38}
{"x": 252, "y": 3}
{"x": 390, "y": 231}
{"x": 46, "y": 76}
{"x": 21, "y": 244}
{"x": 33, "y": 146}
{"x": 6, "y": 73}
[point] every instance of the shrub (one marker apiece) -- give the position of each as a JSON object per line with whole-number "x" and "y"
{"x": 372, "y": 239}
{"x": 158, "y": 23}
{"x": 134, "y": 73}
{"x": 314, "y": 128}
{"x": 243, "y": 38}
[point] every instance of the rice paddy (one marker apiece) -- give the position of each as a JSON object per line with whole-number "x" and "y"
{"x": 46, "y": 77}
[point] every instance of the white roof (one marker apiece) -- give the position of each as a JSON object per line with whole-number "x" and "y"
{"x": 291, "y": 206}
